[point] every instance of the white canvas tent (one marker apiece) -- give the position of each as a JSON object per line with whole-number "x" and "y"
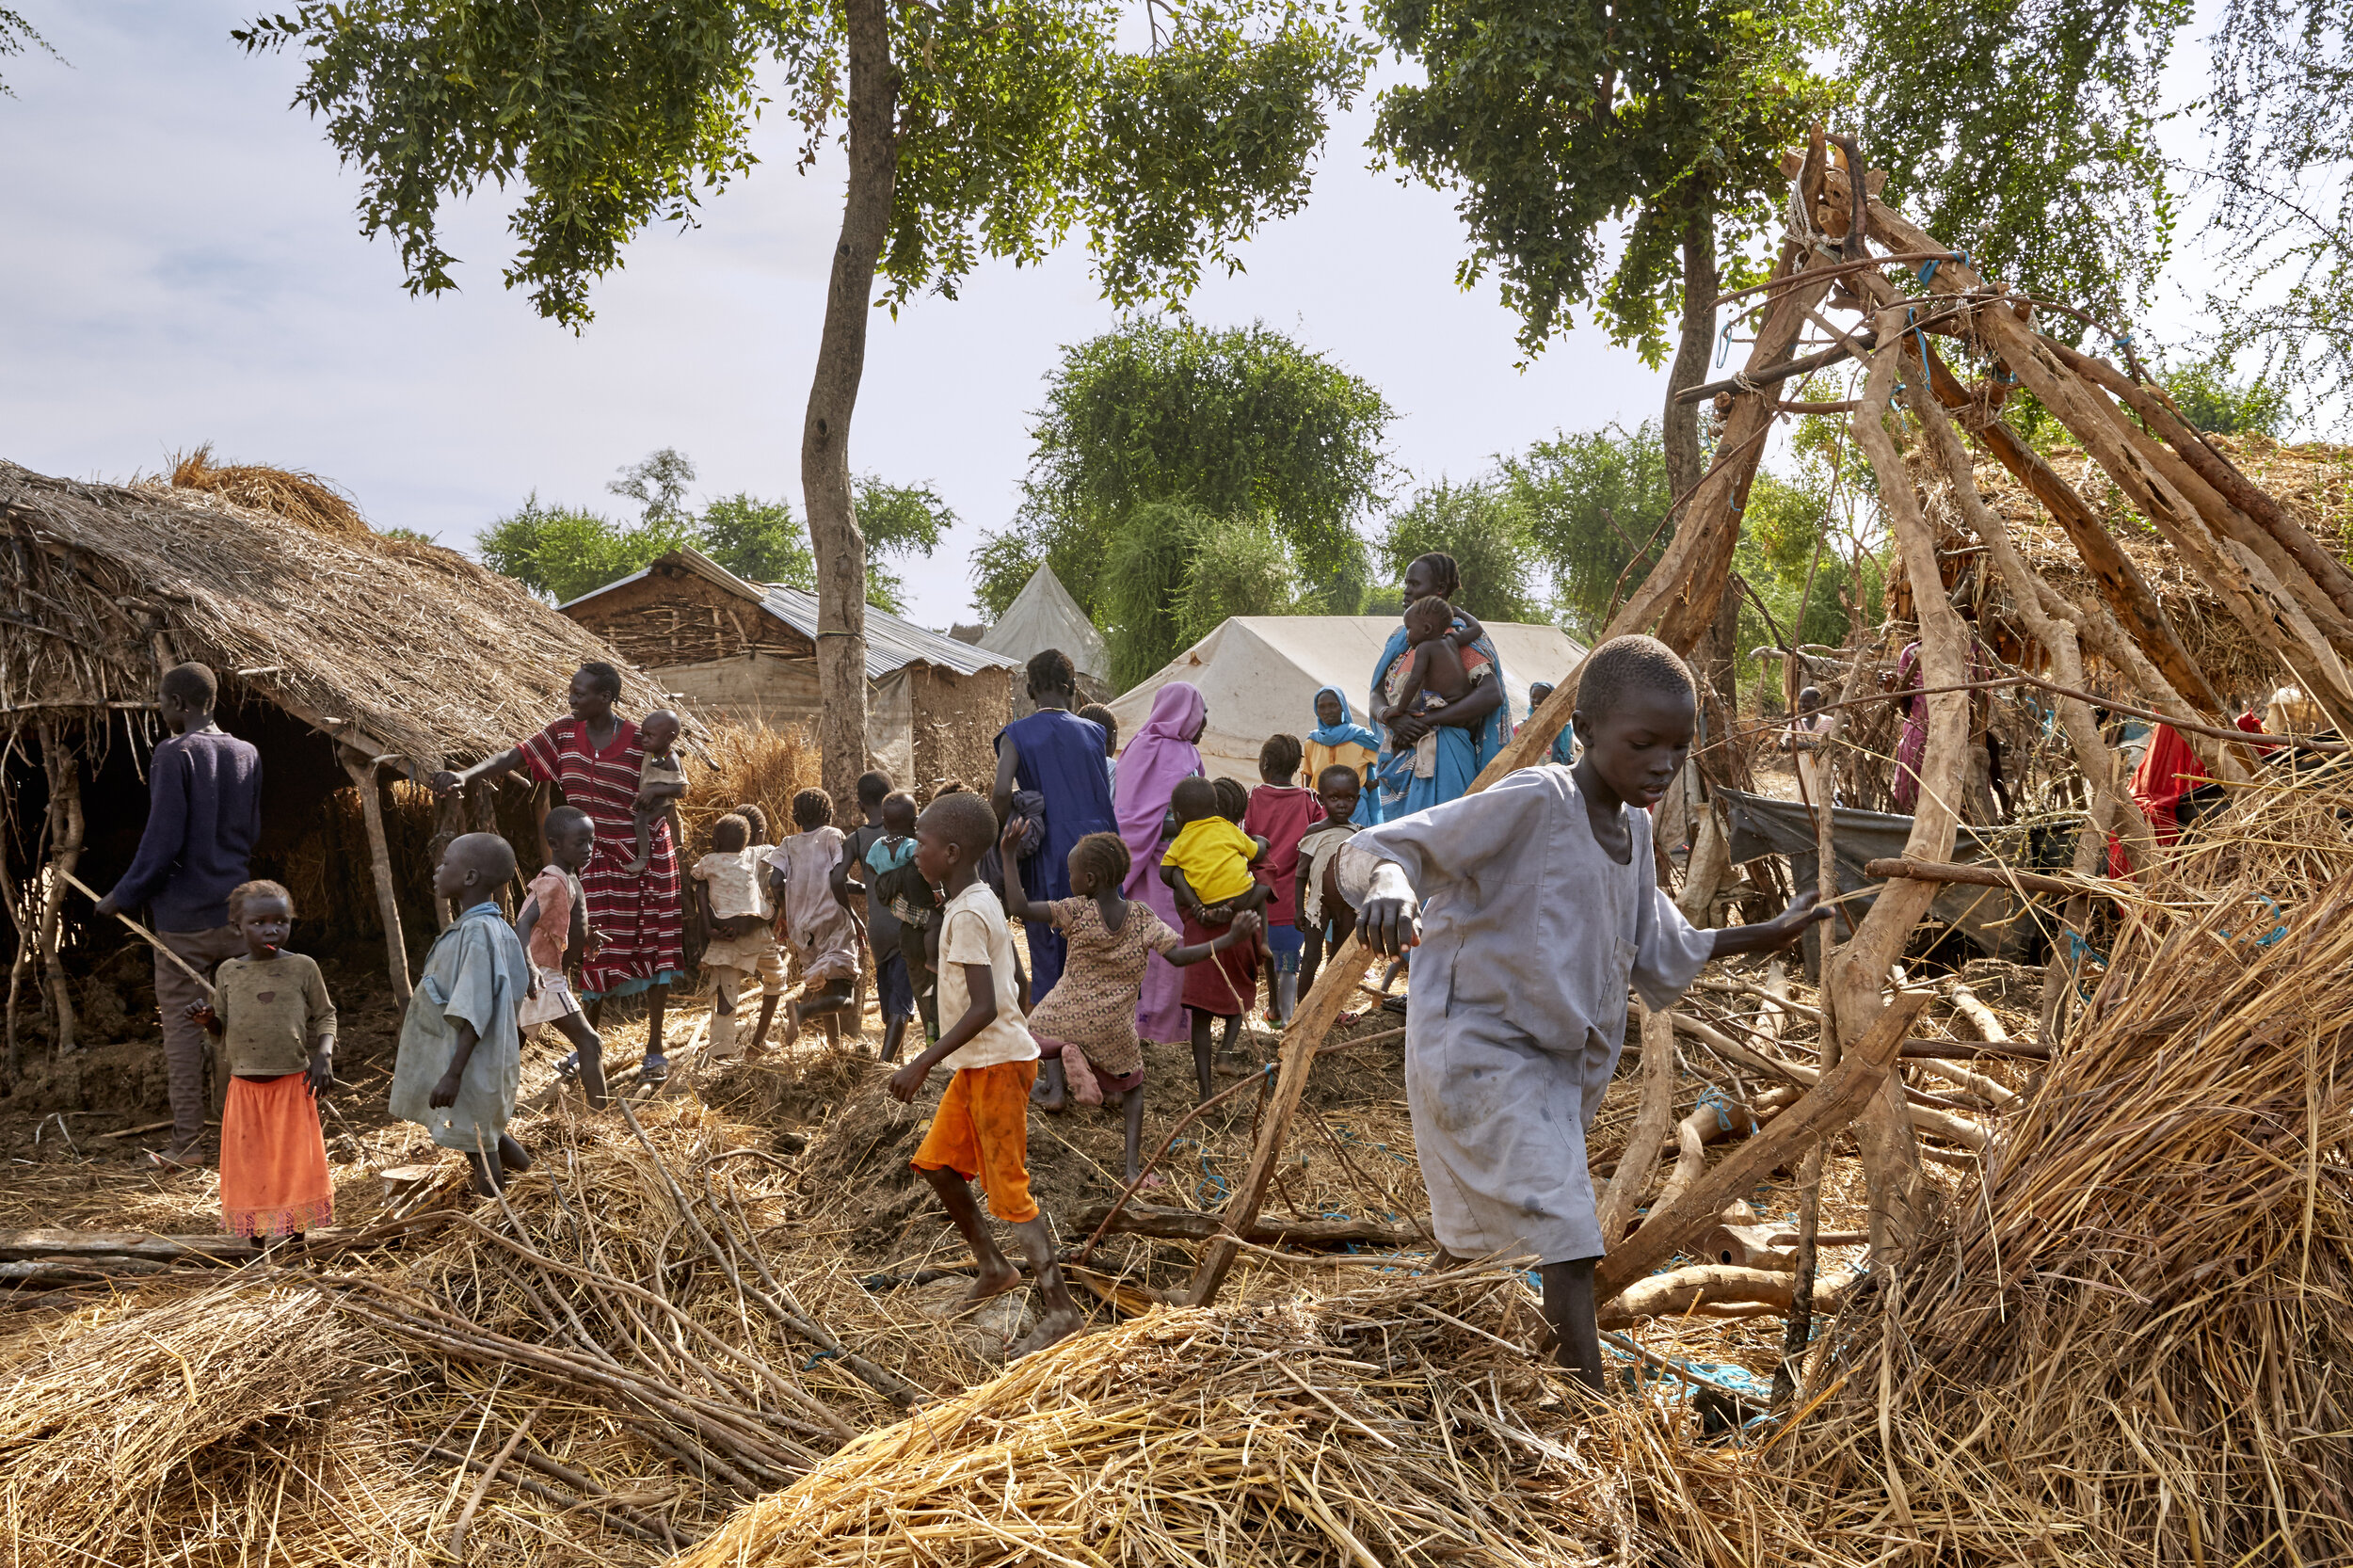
{"x": 1260, "y": 675}
{"x": 1042, "y": 616}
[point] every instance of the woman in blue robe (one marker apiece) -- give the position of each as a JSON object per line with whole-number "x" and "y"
{"x": 1059, "y": 756}
{"x": 1470, "y": 730}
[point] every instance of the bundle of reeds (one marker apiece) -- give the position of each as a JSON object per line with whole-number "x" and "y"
{"x": 1402, "y": 1423}
{"x": 2129, "y": 1346}
{"x": 755, "y": 765}
{"x": 292, "y": 494}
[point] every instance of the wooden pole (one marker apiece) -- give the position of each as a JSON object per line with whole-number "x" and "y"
{"x": 22, "y": 910}
{"x": 1648, "y": 1135}
{"x": 65, "y": 815}
{"x": 363, "y": 772}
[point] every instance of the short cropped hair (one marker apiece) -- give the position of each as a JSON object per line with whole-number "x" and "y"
{"x": 1337, "y": 772}
{"x": 604, "y": 678}
{"x": 245, "y": 891}
{"x": 488, "y": 852}
{"x": 1102, "y": 715}
{"x": 731, "y": 833}
{"x": 1626, "y": 664}
{"x": 1050, "y": 670}
{"x": 964, "y": 819}
{"x": 563, "y": 819}
{"x": 812, "y": 809}
{"x": 1104, "y": 855}
{"x": 192, "y": 685}
{"x": 756, "y": 819}
{"x": 873, "y": 787}
{"x": 1429, "y": 605}
{"x": 1193, "y": 798}
{"x": 1233, "y": 798}
{"x": 1280, "y": 757}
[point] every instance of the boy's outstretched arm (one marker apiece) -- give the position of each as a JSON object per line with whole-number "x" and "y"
{"x": 1774, "y": 934}
{"x": 1245, "y": 926}
{"x": 980, "y": 982}
{"x": 1465, "y": 629}
{"x": 1016, "y": 902}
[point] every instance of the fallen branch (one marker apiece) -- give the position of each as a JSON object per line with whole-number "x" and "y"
{"x": 1988, "y": 876}
{"x": 1193, "y": 1224}
{"x": 1694, "y": 1290}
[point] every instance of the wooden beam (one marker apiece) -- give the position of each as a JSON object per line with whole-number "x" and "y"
{"x": 363, "y": 772}
{"x": 66, "y": 826}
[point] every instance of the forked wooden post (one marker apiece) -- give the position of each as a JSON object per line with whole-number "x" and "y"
{"x": 65, "y": 817}
{"x": 363, "y": 772}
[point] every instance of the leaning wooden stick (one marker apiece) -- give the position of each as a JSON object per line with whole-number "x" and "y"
{"x": 149, "y": 937}
{"x": 1984, "y": 876}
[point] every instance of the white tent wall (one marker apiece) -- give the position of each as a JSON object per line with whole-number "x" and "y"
{"x": 1259, "y": 675}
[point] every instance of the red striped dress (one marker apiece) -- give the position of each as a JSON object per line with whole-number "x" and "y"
{"x": 640, "y": 918}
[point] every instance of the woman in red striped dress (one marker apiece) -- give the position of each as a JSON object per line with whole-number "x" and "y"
{"x": 637, "y": 924}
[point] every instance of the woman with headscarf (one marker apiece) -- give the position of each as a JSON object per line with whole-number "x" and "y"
{"x": 1470, "y": 729}
{"x": 1163, "y": 752}
{"x": 1338, "y": 740}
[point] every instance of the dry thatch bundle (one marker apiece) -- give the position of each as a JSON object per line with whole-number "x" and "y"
{"x": 2129, "y": 1346}
{"x": 114, "y": 1417}
{"x": 1396, "y": 1424}
{"x": 294, "y": 494}
{"x": 755, "y": 765}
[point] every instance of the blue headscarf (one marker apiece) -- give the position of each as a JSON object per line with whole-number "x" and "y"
{"x": 1348, "y": 731}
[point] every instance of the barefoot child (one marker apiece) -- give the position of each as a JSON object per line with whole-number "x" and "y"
{"x": 553, "y": 930}
{"x": 277, "y": 1030}
{"x": 1207, "y": 865}
{"x": 1280, "y": 812}
{"x": 886, "y": 875}
{"x": 817, "y": 924}
{"x": 1542, "y": 903}
{"x": 982, "y": 1128}
{"x": 661, "y": 784}
{"x": 460, "y": 1054}
{"x": 1092, "y": 1013}
{"x": 736, "y": 914}
{"x": 1325, "y": 923}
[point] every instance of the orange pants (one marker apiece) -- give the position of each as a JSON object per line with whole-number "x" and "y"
{"x": 982, "y": 1129}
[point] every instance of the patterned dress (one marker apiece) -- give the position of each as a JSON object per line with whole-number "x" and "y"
{"x": 641, "y": 918}
{"x": 1094, "y": 1006}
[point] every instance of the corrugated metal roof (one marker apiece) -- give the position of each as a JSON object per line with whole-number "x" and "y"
{"x": 891, "y": 644}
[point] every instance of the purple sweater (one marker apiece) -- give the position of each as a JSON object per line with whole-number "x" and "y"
{"x": 203, "y": 814}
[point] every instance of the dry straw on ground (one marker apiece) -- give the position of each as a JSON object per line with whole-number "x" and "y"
{"x": 2129, "y": 1346}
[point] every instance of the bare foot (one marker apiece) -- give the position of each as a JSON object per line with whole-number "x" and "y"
{"x": 1053, "y": 1329}
{"x": 1051, "y": 1102}
{"x": 988, "y": 1283}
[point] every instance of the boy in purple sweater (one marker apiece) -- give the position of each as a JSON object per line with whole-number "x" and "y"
{"x": 204, "y": 811}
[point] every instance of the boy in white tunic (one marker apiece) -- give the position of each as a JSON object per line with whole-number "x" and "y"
{"x": 1534, "y": 904}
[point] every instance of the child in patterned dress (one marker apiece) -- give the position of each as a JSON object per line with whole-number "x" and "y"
{"x": 1086, "y": 1026}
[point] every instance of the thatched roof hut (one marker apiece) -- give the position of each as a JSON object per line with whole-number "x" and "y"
{"x": 341, "y": 652}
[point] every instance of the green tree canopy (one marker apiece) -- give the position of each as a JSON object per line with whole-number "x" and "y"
{"x": 1481, "y": 525}
{"x": 16, "y": 36}
{"x": 1239, "y": 422}
{"x": 1173, "y": 572}
{"x": 1592, "y": 501}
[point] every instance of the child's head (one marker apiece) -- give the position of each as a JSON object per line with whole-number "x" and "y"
{"x": 1233, "y": 801}
{"x": 1052, "y": 674}
{"x": 473, "y": 868}
{"x": 1428, "y": 617}
{"x": 872, "y": 789}
{"x": 1098, "y": 864}
{"x": 262, "y": 912}
{"x": 1279, "y": 758}
{"x": 1636, "y": 710}
{"x": 1809, "y": 699}
{"x": 1330, "y": 708}
{"x": 812, "y": 809}
{"x": 731, "y": 833}
{"x": 756, "y": 819}
{"x": 897, "y": 814}
{"x": 1095, "y": 712}
{"x": 951, "y": 835}
{"x": 1192, "y": 799}
{"x": 1537, "y": 692}
{"x": 571, "y": 834}
{"x": 659, "y": 730}
{"x": 1337, "y": 788}
{"x": 187, "y": 690}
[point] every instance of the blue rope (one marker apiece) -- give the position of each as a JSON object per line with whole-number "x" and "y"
{"x": 821, "y": 1355}
{"x": 1723, "y": 343}
{"x": 2276, "y": 933}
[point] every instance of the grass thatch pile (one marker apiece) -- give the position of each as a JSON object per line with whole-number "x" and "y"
{"x": 2132, "y": 1346}
{"x": 1398, "y": 1423}
{"x": 296, "y": 494}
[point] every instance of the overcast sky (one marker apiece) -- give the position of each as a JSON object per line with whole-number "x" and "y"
{"x": 182, "y": 264}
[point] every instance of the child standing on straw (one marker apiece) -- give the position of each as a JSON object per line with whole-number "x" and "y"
{"x": 1208, "y": 867}
{"x": 1535, "y": 903}
{"x": 552, "y": 928}
{"x": 460, "y": 1056}
{"x": 736, "y": 912}
{"x": 276, "y": 1024}
{"x": 982, "y": 1128}
{"x": 818, "y": 925}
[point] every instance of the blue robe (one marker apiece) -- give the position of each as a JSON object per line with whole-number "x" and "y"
{"x": 1061, "y": 756}
{"x": 1461, "y": 752}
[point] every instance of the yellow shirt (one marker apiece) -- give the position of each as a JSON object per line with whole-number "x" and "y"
{"x": 1347, "y": 754}
{"x": 1214, "y": 854}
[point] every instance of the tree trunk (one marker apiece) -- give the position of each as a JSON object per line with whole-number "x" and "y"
{"x": 1680, "y": 423}
{"x": 833, "y": 530}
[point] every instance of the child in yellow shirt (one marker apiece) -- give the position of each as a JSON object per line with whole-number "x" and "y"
{"x": 1208, "y": 864}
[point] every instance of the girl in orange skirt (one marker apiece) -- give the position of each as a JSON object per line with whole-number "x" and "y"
{"x": 277, "y": 1028}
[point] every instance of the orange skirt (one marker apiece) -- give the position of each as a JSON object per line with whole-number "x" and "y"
{"x": 273, "y": 1160}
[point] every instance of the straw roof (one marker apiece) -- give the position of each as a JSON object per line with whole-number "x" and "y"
{"x": 402, "y": 648}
